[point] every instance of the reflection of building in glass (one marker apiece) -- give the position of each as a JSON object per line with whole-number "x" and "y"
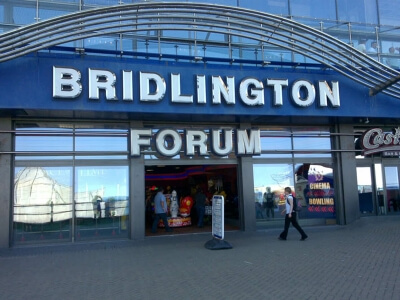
{"x": 93, "y": 204}
{"x": 86, "y": 203}
{"x": 40, "y": 199}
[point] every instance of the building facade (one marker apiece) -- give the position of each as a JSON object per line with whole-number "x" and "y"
{"x": 104, "y": 102}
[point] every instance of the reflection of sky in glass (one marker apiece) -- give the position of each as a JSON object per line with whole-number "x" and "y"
{"x": 273, "y": 175}
{"x": 43, "y": 143}
{"x": 364, "y": 176}
{"x": 101, "y": 144}
{"x": 316, "y": 143}
{"x": 61, "y": 175}
{"x": 276, "y": 143}
{"x": 378, "y": 176}
{"x": 61, "y": 139}
{"x": 113, "y": 180}
{"x": 391, "y": 176}
{"x": 275, "y": 140}
{"x": 44, "y": 139}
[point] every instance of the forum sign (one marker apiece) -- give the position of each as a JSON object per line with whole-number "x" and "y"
{"x": 170, "y": 142}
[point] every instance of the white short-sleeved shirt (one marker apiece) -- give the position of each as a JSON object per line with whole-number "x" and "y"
{"x": 287, "y": 203}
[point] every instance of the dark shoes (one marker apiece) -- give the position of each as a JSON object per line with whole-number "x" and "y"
{"x": 302, "y": 239}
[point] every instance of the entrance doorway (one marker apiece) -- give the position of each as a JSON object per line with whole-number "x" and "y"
{"x": 366, "y": 197}
{"x": 184, "y": 181}
{"x": 379, "y": 189}
{"x": 392, "y": 191}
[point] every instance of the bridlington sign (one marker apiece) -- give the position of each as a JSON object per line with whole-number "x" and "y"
{"x": 151, "y": 87}
{"x": 170, "y": 142}
{"x": 376, "y": 140}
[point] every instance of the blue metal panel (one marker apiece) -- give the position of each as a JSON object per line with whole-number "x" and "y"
{"x": 26, "y": 83}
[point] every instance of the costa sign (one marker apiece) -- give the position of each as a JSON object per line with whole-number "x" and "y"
{"x": 376, "y": 140}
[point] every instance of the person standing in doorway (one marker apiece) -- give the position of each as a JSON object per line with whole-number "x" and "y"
{"x": 160, "y": 210}
{"x": 200, "y": 199}
{"x": 291, "y": 217}
{"x": 269, "y": 200}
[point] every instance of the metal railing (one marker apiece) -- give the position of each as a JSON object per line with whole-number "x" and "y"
{"x": 265, "y": 30}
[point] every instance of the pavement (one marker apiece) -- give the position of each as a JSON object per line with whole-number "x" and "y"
{"x": 357, "y": 261}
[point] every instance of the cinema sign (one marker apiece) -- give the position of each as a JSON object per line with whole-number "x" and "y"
{"x": 376, "y": 140}
{"x": 170, "y": 142}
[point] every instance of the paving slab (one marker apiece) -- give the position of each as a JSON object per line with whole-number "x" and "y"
{"x": 356, "y": 261}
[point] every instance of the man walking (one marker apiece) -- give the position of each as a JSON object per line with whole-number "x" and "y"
{"x": 160, "y": 209}
{"x": 291, "y": 217}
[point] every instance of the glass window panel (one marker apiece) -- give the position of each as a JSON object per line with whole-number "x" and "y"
{"x": 183, "y": 49}
{"x": 43, "y": 139}
{"x": 129, "y": 43}
{"x": 221, "y": 2}
{"x": 389, "y": 12}
{"x": 101, "y": 140}
{"x": 273, "y": 141}
{"x": 24, "y": 15}
{"x": 272, "y": 53}
{"x": 363, "y": 11}
{"x": 392, "y": 188}
{"x": 274, "y": 177}
{"x": 391, "y": 176}
{"x": 314, "y": 190}
{"x": 310, "y": 139}
{"x": 1, "y": 13}
{"x": 62, "y": 1}
{"x": 101, "y": 143}
{"x": 380, "y": 195}
{"x": 364, "y": 183}
{"x": 276, "y": 7}
{"x": 313, "y": 9}
{"x": 104, "y": 43}
{"x": 101, "y": 202}
{"x": 141, "y": 46}
{"x": 42, "y": 157}
{"x": 50, "y": 13}
{"x": 42, "y": 204}
{"x": 338, "y": 30}
{"x": 215, "y": 51}
{"x": 312, "y": 184}
{"x": 174, "y": 33}
{"x": 390, "y": 46}
{"x": 103, "y": 157}
{"x": 102, "y": 2}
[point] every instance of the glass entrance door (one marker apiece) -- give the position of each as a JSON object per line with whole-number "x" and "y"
{"x": 392, "y": 189}
{"x": 365, "y": 188}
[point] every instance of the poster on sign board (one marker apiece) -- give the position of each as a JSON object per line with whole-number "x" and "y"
{"x": 218, "y": 217}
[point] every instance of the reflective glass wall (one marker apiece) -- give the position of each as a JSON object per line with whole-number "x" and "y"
{"x": 71, "y": 182}
{"x": 299, "y": 158}
{"x": 368, "y": 25}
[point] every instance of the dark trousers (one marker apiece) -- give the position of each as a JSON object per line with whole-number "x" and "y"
{"x": 200, "y": 214}
{"x": 157, "y": 218}
{"x": 270, "y": 209}
{"x": 296, "y": 225}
